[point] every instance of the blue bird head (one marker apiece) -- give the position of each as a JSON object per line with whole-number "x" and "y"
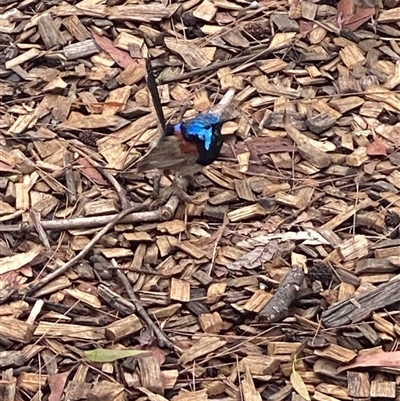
{"x": 205, "y": 131}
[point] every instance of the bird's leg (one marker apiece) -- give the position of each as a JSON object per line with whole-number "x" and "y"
{"x": 157, "y": 181}
{"x": 182, "y": 112}
{"x": 194, "y": 183}
{"x": 374, "y": 18}
{"x": 156, "y": 185}
{"x": 179, "y": 182}
{"x": 167, "y": 174}
{"x": 374, "y": 24}
{"x": 183, "y": 196}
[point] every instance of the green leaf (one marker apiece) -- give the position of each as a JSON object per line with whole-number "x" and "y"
{"x": 110, "y": 355}
{"x": 298, "y": 384}
{"x": 13, "y": 178}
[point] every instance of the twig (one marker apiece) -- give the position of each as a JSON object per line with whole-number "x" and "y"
{"x": 163, "y": 340}
{"x": 120, "y": 191}
{"x": 277, "y": 308}
{"x": 300, "y": 211}
{"x": 216, "y": 242}
{"x": 151, "y": 272}
{"x": 75, "y": 311}
{"x": 164, "y": 213}
{"x": 69, "y": 178}
{"x": 35, "y": 217}
{"x": 115, "y": 300}
{"x": 226, "y": 63}
{"x": 56, "y": 273}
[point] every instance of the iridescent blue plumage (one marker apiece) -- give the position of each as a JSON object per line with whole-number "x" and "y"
{"x": 203, "y": 131}
{"x": 185, "y": 147}
{"x": 188, "y": 146}
{"x": 200, "y": 127}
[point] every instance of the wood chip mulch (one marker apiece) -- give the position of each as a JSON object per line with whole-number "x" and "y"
{"x": 282, "y": 280}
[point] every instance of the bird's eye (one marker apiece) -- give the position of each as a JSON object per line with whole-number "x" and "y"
{"x": 207, "y": 127}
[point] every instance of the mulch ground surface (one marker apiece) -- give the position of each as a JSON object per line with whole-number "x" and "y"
{"x": 280, "y": 281}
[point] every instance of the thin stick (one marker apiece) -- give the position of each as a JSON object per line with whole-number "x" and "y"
{"x": 163, "y": 340}
{"x": 226, "y": 63}
{"x": 120, "y": 191}
{"x": 35, "y": 217}
{"x": 56, "y": 273}
{"x": 163, "y": 213}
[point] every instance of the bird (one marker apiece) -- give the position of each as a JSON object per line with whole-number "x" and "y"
{"x": 187, "y": 147}
{"x": 184, "y": 148}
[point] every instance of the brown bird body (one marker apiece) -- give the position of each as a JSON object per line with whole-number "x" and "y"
{"x": 173, "y": 154}
{"x": 187, "y": 147}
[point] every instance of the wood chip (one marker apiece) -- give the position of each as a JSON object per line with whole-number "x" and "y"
{"x": 296, "y": 222}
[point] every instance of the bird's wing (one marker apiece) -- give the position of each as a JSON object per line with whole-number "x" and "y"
{"x": 167, "y": 155}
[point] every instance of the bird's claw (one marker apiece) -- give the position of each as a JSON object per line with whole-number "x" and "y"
{"x": 156, "y": 186}
{"x": 195, "y": 183}
{"x": 184, "y": 197}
